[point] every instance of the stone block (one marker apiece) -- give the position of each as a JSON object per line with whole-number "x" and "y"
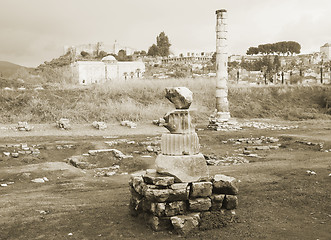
{"x": 224, "y": 185}
{"x": 217, "y": 201}
{"x": 157, "y": 195}
{"x": 158, "y": 223}
{"x": 201, "y": 189}
{"x": 199, "y": 204}
{"x": 179, "y": 121}
{"x": 184, "y": 224}
{"x": 180, "y": 191}
{"x": 180, "y": 144}
{"x": 138, "y": 184}
{"x": 188, "y": 168}
{"x": 170, "y": 209}
{"x": 181, "y": 97}
{"x": 158, "y": 180}
{"x": 230, "y": 202}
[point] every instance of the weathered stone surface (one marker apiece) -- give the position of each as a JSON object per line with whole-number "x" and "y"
{"x": 157, "y": 195}
{"x": 184, "y": 224}
{"x": 158, "y": 223}
{"x": 230, "y": 202}
{"x": 217, "y": 201}
{"x": 201, "y": 189}
{"x": 199, "y": 204}
{"x": 181, "y": 97}
{"x": 188, "y": 168}
{"x": 224, "y": 185}
{"x": 170, "y": 209}
{"x": 180, "y": 192}
{"x": 158, "y": 180}
{"x": 180, "y": 144}
{"x": 138, "y": 184}
{"x": 179, "y": 121}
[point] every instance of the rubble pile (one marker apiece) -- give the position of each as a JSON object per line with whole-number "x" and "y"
{"x": 234, "y": 125}
{"x": 167, "y": 205}
{"x": 63, "y": 124}
{"x": 15, "y": 150}
{"x": 225, "y": 161}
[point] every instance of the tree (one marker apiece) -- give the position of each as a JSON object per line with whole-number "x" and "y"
{"x": 153, "y": 51}
{"x": 163, "y": 44}
{"x": 252, "y": 51}
{"x": 162, "y": 47}
{"x": 84, "y": 54}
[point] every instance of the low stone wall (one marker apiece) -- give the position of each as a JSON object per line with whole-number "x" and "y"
{"x": 184, "y": 207}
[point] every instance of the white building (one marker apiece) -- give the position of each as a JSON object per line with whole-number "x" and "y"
{"x": 108, "y": 69}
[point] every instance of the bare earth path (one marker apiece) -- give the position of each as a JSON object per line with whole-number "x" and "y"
{"x": 277, "y": 199}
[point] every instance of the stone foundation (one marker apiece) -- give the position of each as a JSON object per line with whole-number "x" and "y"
{"x": 165, "y": 204}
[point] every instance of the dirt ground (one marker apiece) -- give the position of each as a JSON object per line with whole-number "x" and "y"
{"x": 278, "y": 199}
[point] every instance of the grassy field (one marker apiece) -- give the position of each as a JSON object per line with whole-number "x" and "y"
{"x": 143, "y": 100}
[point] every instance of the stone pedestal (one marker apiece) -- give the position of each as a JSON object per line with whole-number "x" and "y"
{"x": 187, "y": 168}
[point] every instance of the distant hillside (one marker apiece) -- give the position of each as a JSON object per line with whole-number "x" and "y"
{"x": 7, "y": 69}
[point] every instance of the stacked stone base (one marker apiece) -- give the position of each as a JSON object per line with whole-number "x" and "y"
{"x": 183, "y": 207}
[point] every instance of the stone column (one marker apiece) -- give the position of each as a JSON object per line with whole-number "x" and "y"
{"x": 222, "y": 104}
{"x": 180, "y": 155}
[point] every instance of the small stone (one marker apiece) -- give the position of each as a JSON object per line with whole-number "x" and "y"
{"x": 217, "y": 202}
{"x": 230, "y": 202}
{"x": 7, "y": 154}
{"x": 38, "y": 180}
{"x": 14, "y": 155}
{"x": 224, "y": 185}
{"x": 184, "y": 224}
{"x": 149, "y": 149}
{"x": 4, "y": 185}
{"x": 199, "y": 204}
{"x": 201, "y": 189}
{"x": 158, "y": 223}
{"x": 262, "y": 148}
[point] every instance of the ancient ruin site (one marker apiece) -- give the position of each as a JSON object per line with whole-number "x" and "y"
{"x": 107, "y": 141}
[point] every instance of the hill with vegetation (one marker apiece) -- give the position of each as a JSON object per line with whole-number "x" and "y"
{"x": 8, "y": 69}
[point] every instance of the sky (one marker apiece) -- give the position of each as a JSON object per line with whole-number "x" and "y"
{"x": 34, "y": 31}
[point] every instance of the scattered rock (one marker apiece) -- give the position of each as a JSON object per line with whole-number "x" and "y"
{"x": 38, "y": 180}
{"x": 24, "y": 126}
{"x": 63, "y": 123}
{"x": 128, "y": 124}
{"x": 99, "y": 125}
{"x": 159, "y": 122}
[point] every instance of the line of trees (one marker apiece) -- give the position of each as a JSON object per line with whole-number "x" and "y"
{"x": 285, "y": 47}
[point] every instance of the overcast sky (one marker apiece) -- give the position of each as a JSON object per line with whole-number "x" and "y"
{"x": 34, "y": 31}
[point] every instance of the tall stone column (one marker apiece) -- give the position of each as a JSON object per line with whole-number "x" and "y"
{"x": 222, "y": 104}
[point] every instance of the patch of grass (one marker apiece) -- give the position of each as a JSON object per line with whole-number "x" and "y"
{"x": 143, "y": 100}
